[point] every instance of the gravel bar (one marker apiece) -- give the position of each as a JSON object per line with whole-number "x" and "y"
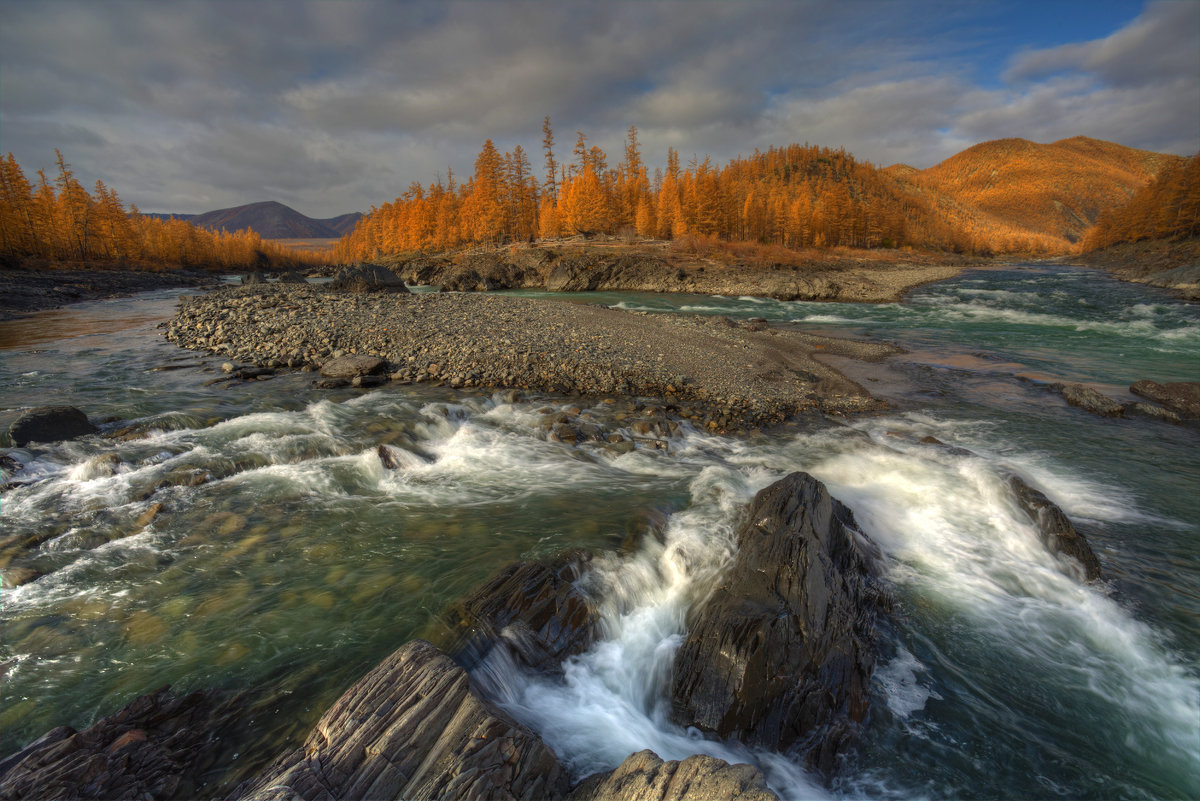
{"x": 723, "y": 374}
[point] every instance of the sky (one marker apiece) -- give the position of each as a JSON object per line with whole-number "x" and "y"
{"x": 332, "y": 106}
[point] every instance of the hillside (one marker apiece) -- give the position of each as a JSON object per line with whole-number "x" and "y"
{"x": 271, "y": 220}
{"x": 1008, "y": 189}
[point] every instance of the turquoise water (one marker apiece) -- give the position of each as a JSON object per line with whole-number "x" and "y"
{"x": 300, "y": 562}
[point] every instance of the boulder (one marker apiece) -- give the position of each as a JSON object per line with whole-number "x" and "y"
{"x": 781, "y": 654}
{"x": 1181, "y": 397}
{"x": 1058, "y": 533}
{"x": 413, "y": 728}
{"x": 254, "y": 278}
{"x": 367, "y": 278}
{"x": 50, "y": 424}
{"x": 1089, "y": 399}
{"x": 538, "y": 612}
{"x": 645, "y": 777}
{"x": 353, "y": 366}
{"x": 292, "y": 277}
{"x": 159, "y": 746}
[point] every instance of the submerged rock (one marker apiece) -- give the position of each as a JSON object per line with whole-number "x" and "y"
{"x": 1058, "y": 533}
{"x": 50, "y": 424}
{"x": 645, "y": 777}
{"x": 782, "y": 652}
{"x": 1181, "y": 397}
{"x": 413, "y": 728}
{"x": 1089, "y": 399}
{"x": 159, "y": 746}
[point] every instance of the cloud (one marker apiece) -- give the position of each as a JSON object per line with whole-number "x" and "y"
{"x": 335, "y": 105}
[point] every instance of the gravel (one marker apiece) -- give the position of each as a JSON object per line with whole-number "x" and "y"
{"x": 723, "y": 374}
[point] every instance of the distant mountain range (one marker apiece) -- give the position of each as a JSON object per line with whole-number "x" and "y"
{"x": 270, "y": 220}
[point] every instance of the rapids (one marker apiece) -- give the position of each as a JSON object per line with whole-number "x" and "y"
{"x": 300, "y": 562}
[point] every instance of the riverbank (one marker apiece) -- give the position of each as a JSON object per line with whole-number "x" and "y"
{"x": 36, "y": 289}
{"x": 1168, "y": 264}
{"x": 722, "y": 373}
{"x": 705, "y": 267}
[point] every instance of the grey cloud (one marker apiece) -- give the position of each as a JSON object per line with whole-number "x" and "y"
{"x": 1160, "y": 45}
{"x": 335, "y": 105}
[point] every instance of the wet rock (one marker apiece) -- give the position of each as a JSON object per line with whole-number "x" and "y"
{"x": 1181, "y": 397}
{"x": 330, "y": 383}
{"x": 159, "y": 746}
{"x": 254, "y": 278}
{"x": 413, "y": 728}
{"x": 1058, "y": 533}
{"x": 368, "y": 381}
{"x": 367, "y": 278}
{"x": 50, "y": 424}
{"x": 292, "y": 277}
{"x": 645, "y": 777}
{"x": 1088, "y": 399}
{"x": 99, "y": 466}
{"x": 538, "y": 612}
{"x": 782, "y": 652}
{"x": 1151, "y": 411}
{"x": 13, "y": 577}
{"x": 352, "y": 366}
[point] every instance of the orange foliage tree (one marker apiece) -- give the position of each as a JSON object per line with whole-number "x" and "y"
{"x": 1166, "y": 208}
{"x": 60, "y": 221}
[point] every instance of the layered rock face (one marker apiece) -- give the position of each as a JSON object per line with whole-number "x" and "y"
{"x": 414, "y": 728}
{"x": 781, "y": 654}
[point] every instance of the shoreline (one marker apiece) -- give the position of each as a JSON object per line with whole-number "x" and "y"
{"x": 26, "y": 291}
{"x": 722, "y": 374}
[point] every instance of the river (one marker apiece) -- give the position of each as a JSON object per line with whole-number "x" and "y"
{"x": 252, "y": 539}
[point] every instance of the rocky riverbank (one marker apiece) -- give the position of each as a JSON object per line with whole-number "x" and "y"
{"x": 28, "y": 290}
{"x": 1169, "y": 264}
{"x": 849, "y": 276}
{"x": 723, "y": 374}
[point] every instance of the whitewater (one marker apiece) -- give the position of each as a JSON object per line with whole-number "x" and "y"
{"x": 300, "y": 561}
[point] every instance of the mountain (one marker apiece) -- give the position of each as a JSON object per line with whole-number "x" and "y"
{"x": 271, "y": 220}
{"x": 1010, "y": 189}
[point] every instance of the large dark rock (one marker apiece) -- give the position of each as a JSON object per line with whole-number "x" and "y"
{"x": 645, "y": 777}
{"x": 537, "y": 611}
{"x": 367, "y": 278}
{"x": 352, "y": 366}
{"x": 159, "y": 746}
{"x": 1181, "y": 397}
{"x": 293, "y": 277}
{"x": 413, "y": 728}
{"x": 50, "y": 424}
{"x": 1058, "y": 533}
{"x": 1089, "y": 399}
{"x": 781, "y": 654}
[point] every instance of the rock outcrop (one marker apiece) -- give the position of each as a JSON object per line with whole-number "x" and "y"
{"x": 159, "y": 746}
{"x": 645, "y": 777}
{"x": 537, "y": 611}
{"x": 1058, "y": 533}
{"x": 1181, "y": 397}
{"x": 367, "y": 278}
{"x": 781, "y": 654}
{"x": 50, "y": 424}
{"x": 414, "y": 728}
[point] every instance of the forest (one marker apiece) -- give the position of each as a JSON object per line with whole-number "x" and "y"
{"x": 59, "y": 221}
{"x": 1166, "y": 208}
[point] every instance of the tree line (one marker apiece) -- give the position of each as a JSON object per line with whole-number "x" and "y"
{"x": 1166, "y": 208}
{"x": 60, "y": 221}
{"x": 799, "y": 196}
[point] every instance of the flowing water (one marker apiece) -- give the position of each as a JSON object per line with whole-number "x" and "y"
{"x": 249, "y": 538}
